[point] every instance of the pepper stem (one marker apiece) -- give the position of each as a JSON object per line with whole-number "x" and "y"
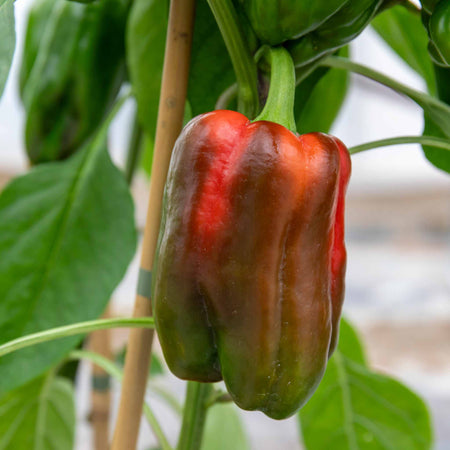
{"x": 279, "y": 107}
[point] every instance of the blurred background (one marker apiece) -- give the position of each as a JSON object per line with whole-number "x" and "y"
{"x": 398, "y": 241}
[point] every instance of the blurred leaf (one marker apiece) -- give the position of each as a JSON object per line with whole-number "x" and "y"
{"x": 356, "y": 408}
{"x": 224, "y": 429}
{"x": 7, "y": 40}
{"x": 67, "y": 236}
{"x": 156, "y": 366}
{"x": 210, "y": 70}
{"x": 350, "y": 344}
{"x": 404, "y": 32}
{"x": 39, "y": 415}
{"x": 318, "y": 99}
{"x": 439, "y": 158}
{"x": 146, "y": 38}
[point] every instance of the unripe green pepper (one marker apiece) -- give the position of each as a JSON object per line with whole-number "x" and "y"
{"x": 341, "y": 28}
{"x": 310, "y": 29}
{"x": 70, "y": 80}
{"x": 276, "y": 21}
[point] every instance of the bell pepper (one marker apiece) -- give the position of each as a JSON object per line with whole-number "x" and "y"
{"x": 310, "y": 29}
{"x": 248, "y": 277}
{"x": 276, "y": 21}
{"x": 340, "y": 29}
{"x": 73, "y": 67}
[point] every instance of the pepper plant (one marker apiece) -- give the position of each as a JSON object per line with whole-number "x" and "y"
{"x": 229, "y": 302}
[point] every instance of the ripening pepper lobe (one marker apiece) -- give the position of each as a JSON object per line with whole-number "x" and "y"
{"x": 245, "y": 286}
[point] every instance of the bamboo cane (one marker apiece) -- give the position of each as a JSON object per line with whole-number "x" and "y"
{"x": 169, "y": 124}
{"x": 99, "y": 342}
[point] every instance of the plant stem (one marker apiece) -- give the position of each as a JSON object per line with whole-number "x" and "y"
{"x": 279, "y": 105}
{"x": 195, "y": 409}
{"x": 73, "y": 329}
{"x": 241, "y": 57}
{"x": 424, "y": 140}
{"x": 134, "y": 150}
{"x": 114, "y": 371}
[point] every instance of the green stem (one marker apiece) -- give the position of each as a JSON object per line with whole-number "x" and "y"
{"x": 134, "y": 150}
{"x": 439, "y": 111}
{"x": 424, "y": 140}
{"x": 195, "y": 409}
{"x": 279, "y": 107}
{"x": 114, "y": 371}
{"x": 241, "y": 57}
{"x": 218, "y": 397}
{"x": 73, "y": 329}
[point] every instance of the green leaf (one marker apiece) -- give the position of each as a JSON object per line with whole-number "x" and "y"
{"x": 432, "y": 128}
{"x": 224, "y": 429}
{"x": 67, "y": 236}
{"x": 356, "y": 408}
{"x": 319, "y": 98}
{"x": 436, "y": 156}
{"x": 38, "y": 416}
{"x": 7, "y": 40}
{"x": 404, "y": 32}
{"x": 350, "y": 344}
{"x": 211, "y": 71}
{"x": 145, "y": 40}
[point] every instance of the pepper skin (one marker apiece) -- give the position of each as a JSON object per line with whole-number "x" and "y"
{"x": 249, "y": 270}
{"x": 276, "y": 21}
{"x": 340, "y": 29}
{"x": 72, "y": 68}
{"x": 313, "y": 28}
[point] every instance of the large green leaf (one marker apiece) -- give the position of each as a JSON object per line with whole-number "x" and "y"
{"x": 146, "y": 37}
{"x": 319, "y": 98}
{"x": 67, "y": 235}
{"x": 224, "y": 429}
{"x": 358, "y": 409}
{"x": 439, "y": 158}
{"x": 7, "y": 40}
{"x": 38, "y": 416}
{"x": 350, "y": 344}
{"x": 404, "y": 32}
{"x": 210, "y": 70}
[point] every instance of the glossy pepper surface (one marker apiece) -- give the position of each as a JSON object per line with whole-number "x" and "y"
{"x": 72, "y": 68}
{"x": 276, "y": 21}
{"x": 313, "y": 28}
{"x": 248, "y": 277}
{"x": 338, "y": 30}
{"x": 436, "y": 18}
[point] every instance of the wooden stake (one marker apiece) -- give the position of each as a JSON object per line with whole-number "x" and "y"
{"x": 99, "y": 342}
{"x": 168, "y": 127}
